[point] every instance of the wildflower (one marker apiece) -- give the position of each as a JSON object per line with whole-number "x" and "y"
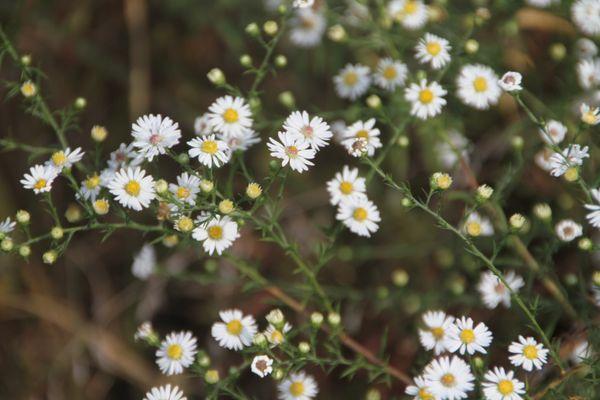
{"x": 292, "y": 150}
{"x": 23, "y": 217}
{"x": 451, "y": 150}
{"x": 28, "y": 89}
{"x": 412, "y": 14}
{"x": 64, "y": 159}
{"x": 144, "y": 331}
{"x": 352, "y": 81}
{"x": 567, "y": 230}
{"x": 465, "y": 338}
{"x": 236, "y": 331}
{"x": 153, "y": 135}
{"x": 390, "y": 74}
{"x": 360, "y": 215}
{"x": 206, "y": 185}
{"x": 24, "y": 251}
{"x": 7, "y": 245}
{"x": 419, "y": 389}
{"x": 98, "y": 133}
{"x": 434, "y": 50}
{"x": 588, "y": 73}
{"x": 511, "y": 82}
{"x": 184, "y": 224}
{"x": 593, "y": 216}
{"x": 7, "y": 226}
{"x": 303, "y": 3}
{"x": 434, "y": 335}
{"x": 358, "y": 147}
{"x": 176, "y": 352}
{"x": 586, "y": 16}
{"x": 346, "y": 184}
{"x": 304, "y": 347}
{"x": 427, "y": 99}
{"x": 270, "y": 27}
{"x": 307, "y": 27}
{"x": 226, "y": 206}
{"x": 517, "y": 221}
{"x": 144, "y": 262}
{"x": 448, "y": 378}
{"x": 230, "y": 115}
{"x": 334, "y": 318}
{"x": 541, "y": 4}
{"x": 585, "y": 48}
{"x": 276, "y": 336}
{"x": 316, "y": 318}
{"x": 589, "y": 115}
{"x": 186, "y": 189}
{"x": 132, "y": 188}
{"x": 501, "y": 385}
{"x": 202, "y": 125}
{"x": 49, "y": 257}
{"x": 240, "y": 141}
{"x": 216, "y": 233}
{"x": 336, "y": 33}
{"x": 314, "y": 130}
{"x": 101, "y": 206}
{"x": 275, "y": 317}
{"x": 478, "y": 86}
{"x": 211, "y": 376}
{"x": 554, "y": 132}
{"x": 253, "y": 190}
{"x": 216, "y": 76}
{"x": 298, "y": 386}
{"x": 528, "y": 354}
{"x": 581, "y": 352}
{"x": 440, "y": 181}
{"x": 209, "y": 151}
{"x": 39, "y": 179}
{"x": 262, "y": 365}
{"x": 364, "y": 130}
{"x": 494, "y": 292}
{"x": 484, "y": 192}
{"x": 90, "y": 187}
{"x": 167, "y": 392}
{"x": 477, "y": 225}
{"x": 124, "y": 156}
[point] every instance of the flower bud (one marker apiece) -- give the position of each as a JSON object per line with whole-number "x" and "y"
{"x": 275, "y": 317}
{"x": 406, "y": 202}
{"x": 184, "y": 224}
{"x": 596, "y": 278}
{"x": 73, "y": 213}
{"x": 484, "y": 192}
{"x": 23, "y": 217}
{"x": 206, "y": 186}
{"x": 253, "y": 190}
{"x": 28, "y": 89}
{"x": 558, "y": 51}
{"x": 252, "y": 29}
{"x": 7, "y": 244}
{"x": 585, "y": 244}
{"x": 471, "y": 46}
{"x": 26, "y": 60}
{"x": 161, "y": 186}
{"x": 571, "y": 279}
{"x": 246, "y": 61}
{"x": 57, "y": 233}
{"x": 287, "y": 99}
{"x": 101, "y": 206}
{"x": 440, "y": 180}
{"x": 403, "y": 141}
{"x": 336, "y": 33}
{"x": 277, "y": 374}
{"x": 542, "y": 211}
{"x": 204, "y": 360}
{"x": 516, "y": 221}
{"x": 270, "y": 27}
{"x": 49, "y": 257}
{"x": 400, "y": 277}
{"x": 478, "y": 362}
{"x": 280, "y": 61}
{"x": 170, "y": 241}
{"x": 373, "y": 394}
{"x": 334, "y": 319}
{"x": 304, "y": 347}
{"x": 216, "y": 76}
{"x": 211, "y": 376}
{"x": 316, "y": 318}
{"x": 374, "y": 101}
{"x": 517, "y": 142}
{"x": 98, "y": 133}
{"x": 226, "y": 206}
{"x": 24, "y": 251}
{"x": 80, "y": 103}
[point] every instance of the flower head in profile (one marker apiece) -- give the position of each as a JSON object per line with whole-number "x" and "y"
{"x": 593, "y": 216}
{"x": 153, "y": 135}
{"x": 230, "y": 115}
{"x": 493, "y": 291}
{"x": 364, "y": 131}
{"x": 39, "y": 179}
{"x": 478, "y": 86}
{"x": 554, "y": 132}
{"x": 293, "y": 150}
{"x": 307, "y": 27}
{"x": 466, "y": 338}
{"x": 426, "y": 99}
{"x": 314, "y": 130}
{"x": 352, "y": 81}
{"x": 176, "y": 353}
{"x": 502, "y": 385}
{"x": 390, "y": 74}
{"x": 132, "y": 188}
{"x": 209, "y": 150}
{"x": 262, "y": 365}
{"x": 528, "y": 354}
{"x": 235, "y": 331}
{"x": 64, "y": 158}
{"x": 7, "y": 226}
{"x": 167, "y": 392}
{"x": 346, "y": 184}
{"x": 297, "y": 386}
{"x": 511, "y": 82}
{"x": 216, "y": 233}
{"x": 449, "y": 378}
{"x": 144, "y": 262}
{"x": 360, "y": 215}
{"x": 571, "y": 157}
{"x": 433, "y": 50}
{"x": 435, "y": 332}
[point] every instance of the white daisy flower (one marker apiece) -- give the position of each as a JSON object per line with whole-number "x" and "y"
{"x": 314, "y": 130}
{"x": 90, "y": 187}
{"x": 216, "y": 234}
{"x": 528, "y": 354}
{"x": 360, "y": 215}
{"x": 586, "y": 15}
{"x": 542, "y": 159}
{"x": 202, "y": 125}
{"x": 390, "y": 74}
{"x": 433, "y": 50}
{"x": 511, "y": 82}
{"x": 589, "y": 115}
{"x": 435, "y": 334}
{"x": 153, "y": 135}
{"x": 586, "y": 48}
{"x": 346, "y": 184}
{"x": 144, "y": 331}
{"x": 241, "y": 141}
{"x": 554, "y": 132}
{"x": 588, "y": 73}
{"x": 363, "y": 130}
{"x": 293, "y": 150}
{"x": 449, "y": 378}
{"x": 448, "y": 152}
{"x": 210, "y": 151}
{"x": 167, "y": 392}
{"x": 594, "y": 215}
{"x": 144, "y": 263}
{"x": 7, "y": 226}
{"x": 352, "y": 81}
{"x": 502, "y": 385}
{"x": 297, "y": 386}
{"x": 125, "y": 156}
{"x": 427, "y": 99}
{"x": 186, "y": 189}
{"x": 567, "y": 230}
{"x": 307, "y": 27}
{"x": 39, "y": 178}
{"x": 262, "y": 365}
{"x": 478, "y": 225}
{"x": 65, "y": 158}
{"x": 229, "y": 115}
{"x": 132, "y": 188}
{"x": 465, "y": 338}
{"x": 419, "y": 389}
{"x": 572, "y": 156}
{"x": 277, "y": 336}
{"x": 236, "y": 331}
{"x": 176, "y": 352}
{"x": 412, "y": 14}
{"x": 494, "y": 292}
{"x": 478, "y": 86}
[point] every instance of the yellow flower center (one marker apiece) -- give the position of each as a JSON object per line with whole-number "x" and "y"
{"x": 474, "y": 228}
{"x": 480, "y": 84}
{"x": 132, "y": 188}
{"x": 215, "y": 232}
{"x": 362, "y": 134}
{"x": 425, "y": 395}
{"x": 230, "y": 116}
{"x": 292, "y": 151}
{"x": 360, "y": 214}
{"x": 390, "y": 73}
{"x": 448, "y": 380}
{"x": 350, "y": 78}
{"x": 434, "y": 48}
{"x": 437, "y": 333}
{"x": 174, "y": 352}
{"x": 209, "y": 147}
{"x": 530, "y": 352}
{"x": 467, "y": 336}
{"x": 297, "y": 389}
{"x": 505, "y": 387}
{"x": 92, "y": 182}
{"x": 276, "y": 336}
{"x": 183, "y": 192}
{"x": 589, "y": 118}
{"x": 346, "y": 187}
{"x": 40, "y": 184}
{"x": 425, "y": 96}
{"x": 234, "y": 327}
{"x": 59, "y": 158}
{"x": 410, "y": 7}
